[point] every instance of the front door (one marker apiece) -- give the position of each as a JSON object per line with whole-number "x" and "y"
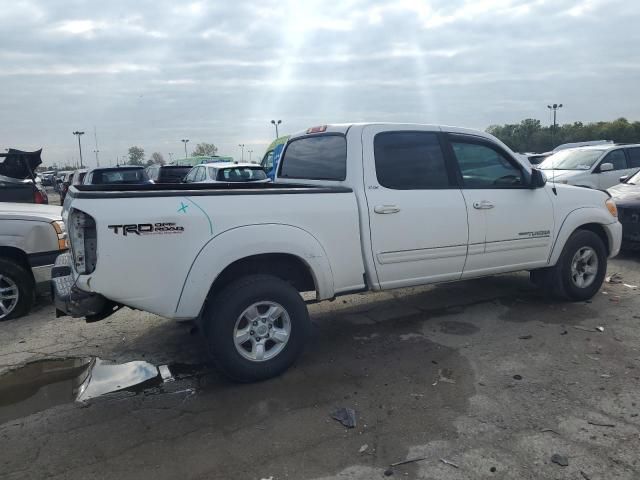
{"x": 510, "y": 225}
{"x": 417, "y": 214}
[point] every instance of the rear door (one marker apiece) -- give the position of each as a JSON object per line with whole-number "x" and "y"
{"x": 510, "y": 224}
{"x": 417, "y": 214}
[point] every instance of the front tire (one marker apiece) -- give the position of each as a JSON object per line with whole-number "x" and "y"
{"x": 16, "y": 290}
{"x": 580, "y": 270}
{"x": 256, "y": 328}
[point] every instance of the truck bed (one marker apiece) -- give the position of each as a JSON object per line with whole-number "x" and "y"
{"x": 197, "y": 189}
{"x": 180, "y": 237}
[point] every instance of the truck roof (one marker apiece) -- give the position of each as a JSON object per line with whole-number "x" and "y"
{"x": 344, "y": 127}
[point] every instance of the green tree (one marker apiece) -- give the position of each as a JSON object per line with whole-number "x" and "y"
{"x": 530, "y": 136}
{"x": 206, "y": 149}
{"x": 136, "y": 156}
{"x": 157, "y": 158}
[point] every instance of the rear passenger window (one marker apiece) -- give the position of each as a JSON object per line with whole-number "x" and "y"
{"x": 634, "y": 157}
{"x": 321, "y": 157}
{"x": 410, "y": 161}
{"x": 617, "y": 158}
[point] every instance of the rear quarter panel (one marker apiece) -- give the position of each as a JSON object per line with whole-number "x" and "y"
{"x": 149, "y": 271}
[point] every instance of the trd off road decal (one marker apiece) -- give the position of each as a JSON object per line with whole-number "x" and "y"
{"x": 162, "y": 228}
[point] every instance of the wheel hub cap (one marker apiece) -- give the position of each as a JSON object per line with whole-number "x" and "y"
{"x": 584, "y": 267}
{"x": 262, "y": 331}
{"x": 9, "y": 296}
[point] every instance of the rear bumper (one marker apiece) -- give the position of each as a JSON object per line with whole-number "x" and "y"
{"x": 70, "y": 300}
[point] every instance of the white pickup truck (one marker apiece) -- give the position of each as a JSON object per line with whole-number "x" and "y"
{"x": 354, "y": 207}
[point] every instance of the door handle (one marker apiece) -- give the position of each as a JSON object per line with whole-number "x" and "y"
{"x": 383, "y": 209}
{"x": 483, "y": 205}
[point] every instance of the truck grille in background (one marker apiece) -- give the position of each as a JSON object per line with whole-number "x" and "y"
{"x": 629, "y": 215}
{"x": 83, "y": 240}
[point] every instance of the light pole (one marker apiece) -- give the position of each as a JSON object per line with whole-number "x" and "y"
{"x": 275, "y": 124}
{"x": 79, "y": 145}
{"x": 249, "y": 152}
{"x": 185, "y": 141}
{"x": 241, "y": 145}
{"x": 554, "y": 108}
{"x": 96, "y": 151}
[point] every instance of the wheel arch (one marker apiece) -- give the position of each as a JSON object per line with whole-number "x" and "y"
{"x": 18, "y": 256}
{"x": 588, "y": 218}
{"x": 285, "y": 251}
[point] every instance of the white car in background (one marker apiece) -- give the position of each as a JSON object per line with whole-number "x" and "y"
{"x": 597, "y": 166}
{"x": 225, "y": 172}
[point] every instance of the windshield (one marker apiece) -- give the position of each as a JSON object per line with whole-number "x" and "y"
{"x": 635, "y": 179}
{"x": 571, "y": 160}
{"x": 241, "y": 174}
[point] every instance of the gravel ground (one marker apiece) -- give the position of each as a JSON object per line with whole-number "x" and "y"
{"x": 482, "y": 379}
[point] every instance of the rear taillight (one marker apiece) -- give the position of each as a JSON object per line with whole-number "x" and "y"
{"x": 83, "y": 241}
{"x": 40, "y": 197}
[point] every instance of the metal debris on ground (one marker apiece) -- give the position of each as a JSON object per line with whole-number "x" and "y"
{"x": 525, "y": 337}
{"x": 346, "y": 416}
{"x": 560, "y": 460}
{"x": 444, "y": 376}
{"x": 632, "y": 287}
{"x": 600, "y": 329}
{"x": 549, "y": 430}
{"x": 615, "y": 298}
{"x": 517, "y": 377}
{"x": 363, "y": 448}
{"x": 410, "y": 460}
{"x": 447, "y": 462}
{"x": 587, "y": 329}
{"x": 165, "y": 373}
{"x": 614, "y": 278}
{"x": 597, "y": 424}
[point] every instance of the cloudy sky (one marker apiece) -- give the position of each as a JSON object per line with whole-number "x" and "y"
{"x": 151, "y": 72}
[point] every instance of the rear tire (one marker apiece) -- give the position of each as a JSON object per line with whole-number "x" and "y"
{"x": 580, "y": 270}
{"x": 15, "y": 281}
{"x": 261, "y": 310}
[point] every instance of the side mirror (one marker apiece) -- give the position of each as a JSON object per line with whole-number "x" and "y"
{"x": 606, "y": 167}
{"x": 538, "y": 179}
{"x": 624, "y": 178}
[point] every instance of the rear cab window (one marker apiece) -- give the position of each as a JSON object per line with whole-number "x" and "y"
{"x": 315, "y": 157}
{"x": 240, "y": 174}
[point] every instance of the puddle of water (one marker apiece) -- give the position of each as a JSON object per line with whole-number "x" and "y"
{"x": 46, "y": 383}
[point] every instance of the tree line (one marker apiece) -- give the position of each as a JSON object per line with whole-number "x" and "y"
{"x": 530, "y": 136}
{"x": 137, "y": 155}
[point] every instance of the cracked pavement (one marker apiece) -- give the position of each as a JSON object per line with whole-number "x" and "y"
{"x": 484, "y": 374}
